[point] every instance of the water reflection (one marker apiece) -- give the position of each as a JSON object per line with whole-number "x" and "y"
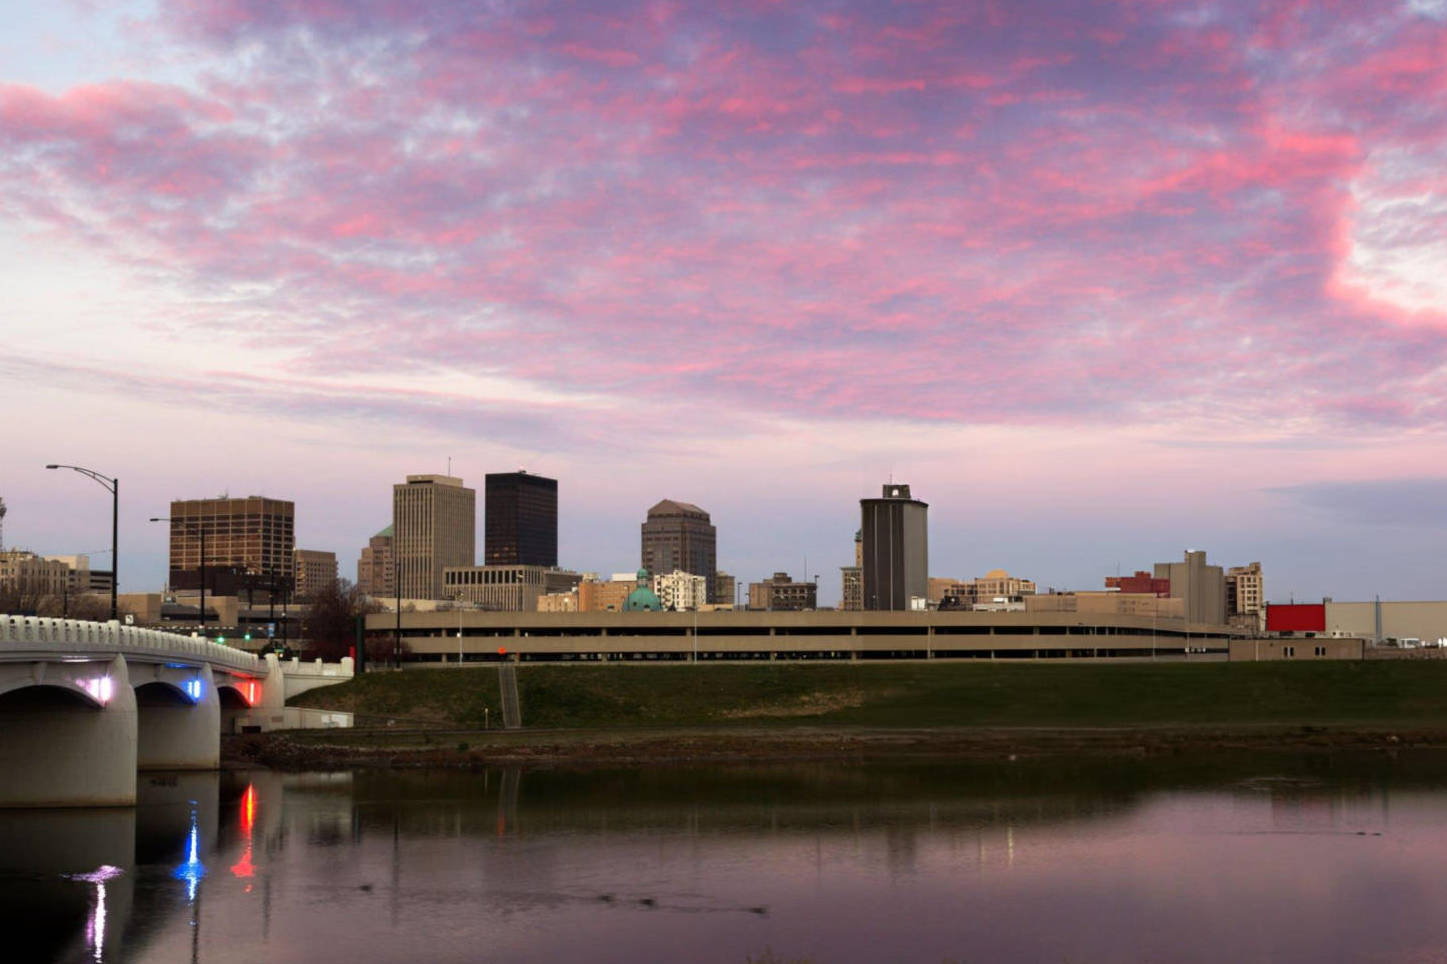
{"x": 1306, "y": 858}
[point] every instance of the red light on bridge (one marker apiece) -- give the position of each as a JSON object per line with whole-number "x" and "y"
{"x": 251, "y": 693}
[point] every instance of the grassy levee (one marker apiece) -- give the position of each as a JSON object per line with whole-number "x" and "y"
{"x": 941, "y": 694}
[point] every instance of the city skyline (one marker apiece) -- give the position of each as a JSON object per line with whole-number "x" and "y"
{"x": 828, "y": 596}
{"x": 1101, "y": 285}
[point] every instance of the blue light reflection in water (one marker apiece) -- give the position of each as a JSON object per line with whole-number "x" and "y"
{"x": 191, "y": 870}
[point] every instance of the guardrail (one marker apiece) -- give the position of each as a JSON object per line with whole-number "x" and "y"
{"x": 25, "y": 634}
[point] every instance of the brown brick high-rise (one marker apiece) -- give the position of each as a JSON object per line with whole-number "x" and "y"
{"x": 679, "y": 536}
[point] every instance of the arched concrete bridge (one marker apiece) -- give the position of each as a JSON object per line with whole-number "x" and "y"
{"x": 83, "y": 705}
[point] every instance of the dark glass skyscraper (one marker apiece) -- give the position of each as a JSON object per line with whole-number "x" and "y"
{"x": 520, "y": 513}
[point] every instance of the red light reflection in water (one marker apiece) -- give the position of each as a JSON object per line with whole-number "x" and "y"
{"x": 244, "y": 867}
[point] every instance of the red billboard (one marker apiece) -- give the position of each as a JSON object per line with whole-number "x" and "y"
{"x": 1296, "y": 618}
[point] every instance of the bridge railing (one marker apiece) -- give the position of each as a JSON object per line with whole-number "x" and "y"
{"x": 82, "y": 636}
{"x": 297, "y": 667}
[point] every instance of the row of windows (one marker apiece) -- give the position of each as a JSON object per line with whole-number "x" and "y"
{"x": 770, "y": 655}
{"x": 1173, "y": 638}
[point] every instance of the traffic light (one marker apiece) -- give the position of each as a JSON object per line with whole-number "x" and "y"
{"x": 221, "y": 640}
{"x": 248, "y": 637}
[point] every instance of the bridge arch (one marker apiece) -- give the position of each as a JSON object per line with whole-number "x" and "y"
{"x": 73, "y": 690}
{"x": 25, "y": 694}
{"x": 67, "y": 746}
{"x": 235, "y": 698}
{"x": 178, "y": 720}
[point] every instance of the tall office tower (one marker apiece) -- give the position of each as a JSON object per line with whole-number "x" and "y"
{"x": 679, "y": 536}
{"x": 434, "y": 525}
{"x": 244, "y": 537}
{"x": 1202, "y": 587}
{"x": 896, "y": 550}
{"x": 375, "y": 574}
{"x": 315, "y": 572}
{"x": 520, "y": 520}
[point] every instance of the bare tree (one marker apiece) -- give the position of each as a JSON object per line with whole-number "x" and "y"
{"x": 25, "y": 597}
{"x": 330, "y": 627}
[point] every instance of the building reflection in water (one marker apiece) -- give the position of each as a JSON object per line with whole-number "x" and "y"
{"x": 547, "y": 857}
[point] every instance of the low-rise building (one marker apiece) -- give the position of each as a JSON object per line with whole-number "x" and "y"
{"x": 505, "y": 588}
{"x": 605, "y": 595}
{"x": 966, "y": 594}
{"x": 28, "y": 573}
{"x": 558, "y": 602}
{"x": 780, "y": 593}
{"x": 724, "y": 589}
{"x": 84, "y": 579}
{"x": 1139, "y": 582}
{"x": 679, "y": 590}
{"x": 1397, "y": 623}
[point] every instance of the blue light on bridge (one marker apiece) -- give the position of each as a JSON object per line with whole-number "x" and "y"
{"x": 193, "y": 689}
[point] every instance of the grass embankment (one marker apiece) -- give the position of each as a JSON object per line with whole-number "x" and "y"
{"x": 910, "y": 695}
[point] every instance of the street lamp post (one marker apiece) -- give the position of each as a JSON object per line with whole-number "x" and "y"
{"x": 113, "y": 486}
{"x": 200, "y": 531}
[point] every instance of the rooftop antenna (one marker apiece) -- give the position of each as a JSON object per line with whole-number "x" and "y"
{"x": 449, "y": 465}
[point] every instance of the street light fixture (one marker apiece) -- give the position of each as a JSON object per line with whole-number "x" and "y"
{"x": 113, "y": 486}
{"x": 200, "y": 530}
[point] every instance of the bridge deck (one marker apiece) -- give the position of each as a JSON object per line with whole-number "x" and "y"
{"x": 25, "y": 637}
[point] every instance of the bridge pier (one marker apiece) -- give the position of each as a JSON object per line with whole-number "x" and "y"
{"x": 71, "y": 732}
{"x": 178, "y": 718}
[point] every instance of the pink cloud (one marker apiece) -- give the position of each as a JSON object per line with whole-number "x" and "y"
{"x": 1008, "y": 213}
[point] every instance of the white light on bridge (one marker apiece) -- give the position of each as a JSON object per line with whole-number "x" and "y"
{"x": 100, "y": 688}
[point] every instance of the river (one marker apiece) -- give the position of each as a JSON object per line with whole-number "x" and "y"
{"x": 1302, "y": 857}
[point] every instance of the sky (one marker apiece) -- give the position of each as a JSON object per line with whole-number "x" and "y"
{"x": 1102, "y": 282}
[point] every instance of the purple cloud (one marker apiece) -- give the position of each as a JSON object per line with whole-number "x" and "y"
{"x": 982, "y": 213}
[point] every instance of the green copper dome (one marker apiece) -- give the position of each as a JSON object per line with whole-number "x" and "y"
{"x": 642, "y": 599}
